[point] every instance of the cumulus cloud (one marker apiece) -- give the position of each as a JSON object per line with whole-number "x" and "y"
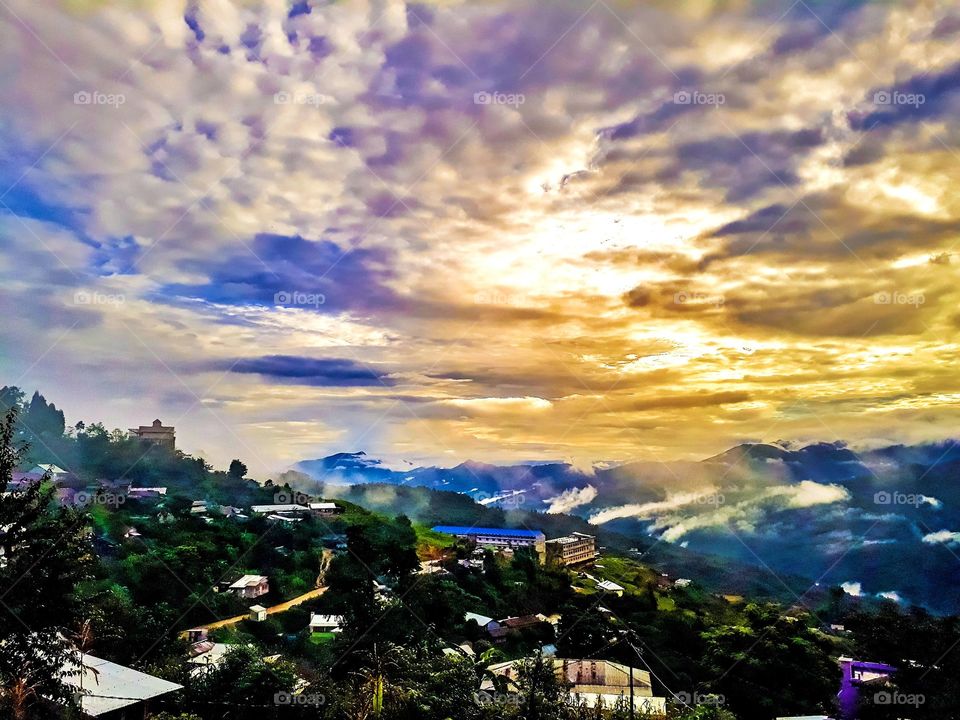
{"x": 852, "y": 588}
{"x": 506, "y": 223}
{"x": 942, "y": 537}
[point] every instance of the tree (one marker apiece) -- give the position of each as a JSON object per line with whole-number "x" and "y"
{"x": 237, "y": 470}
{"x": 47, "y": 552}
{"x": 543, "y": 695}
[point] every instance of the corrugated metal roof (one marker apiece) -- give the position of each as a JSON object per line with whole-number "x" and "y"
{"x": 108, "y": 686}
{"x": 501, "y": 532}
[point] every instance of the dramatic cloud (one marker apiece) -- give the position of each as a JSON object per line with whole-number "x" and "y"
{"x": 502, "y": 230}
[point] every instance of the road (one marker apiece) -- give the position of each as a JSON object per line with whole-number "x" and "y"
{"x": 282, "y": 607}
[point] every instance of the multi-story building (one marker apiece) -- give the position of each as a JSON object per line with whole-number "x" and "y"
{"x": 591, "y": 682}
{"x": 499, "y": 538}
{"x": 157, "y": 433}
{"x": 572, "y": 549}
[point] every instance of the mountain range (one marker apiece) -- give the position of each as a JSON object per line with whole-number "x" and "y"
{"x": 882, "y": 523}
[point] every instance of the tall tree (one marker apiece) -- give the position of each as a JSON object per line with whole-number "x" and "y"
{"x": 46, "y": 552}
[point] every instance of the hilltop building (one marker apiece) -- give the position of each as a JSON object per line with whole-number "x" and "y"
{"x": 156, "y": 433}
{"x": 499, "y": 538}
{"x": 572, "y": 549}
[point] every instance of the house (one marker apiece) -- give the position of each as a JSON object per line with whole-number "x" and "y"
{"x": 498, "y": 538}
{"x": 499, "y": 629}
{"x": 325, "y": 623}
{"x": 610, "y": 587}
{"x": 860, "y": 676}
{"x": 198, "y": 507}
{"x": 324, "y": 509}
{"x": 482, "y": 620}
{"x": 195, "y": 635}
{"x": 284, "y": 511}
{"x": 146, "y": 493}
{"x": 250, "y": 586}
{"x": 156, "y": 433}
{"x": 682, "y": 582}
{"x": 55, "y": 472}
{"x": 258, "y": 613}
{"x": 592, "y": 682}
{"x": 206, "y": 654}
{"x": 113, "y": 692}
{"x": 572, "y": 549}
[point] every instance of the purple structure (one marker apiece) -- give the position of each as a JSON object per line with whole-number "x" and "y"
{"x": 859, "y": 676}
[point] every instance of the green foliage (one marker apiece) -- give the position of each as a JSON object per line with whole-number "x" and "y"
{"x": 45, "y": 552}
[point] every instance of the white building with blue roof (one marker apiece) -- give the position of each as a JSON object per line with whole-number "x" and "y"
{"x": 499, "y": 538}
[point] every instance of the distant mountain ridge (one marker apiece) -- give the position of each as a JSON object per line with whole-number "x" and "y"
{"x": 885, "y": 521}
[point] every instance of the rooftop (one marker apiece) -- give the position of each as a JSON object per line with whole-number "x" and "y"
{"x": 108, "y": 686}
{"x": 248, "y": 580}
{"x": 502, "y": 532}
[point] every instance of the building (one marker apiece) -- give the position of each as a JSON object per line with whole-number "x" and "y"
{"x": 325, "y": 623}
{"x": 610, "y": 587}
{"x": 682, "y": 582}
{"x": 156, "y": 433}
{"x": 324, "y": 509}
{"x": 593, "y": 682}
{"x": 499, "y": 538}
{"x": 500, "y": 629}
{"x": 258, "y": 613}
{"x": 146, "y": 493}
{"x": 205, "y": 655}
{"x": 288, "y": 510}
{"x": 860, "y": 677}
{"x": 250, "y": 586}
{"x": 572, "y": 549}
{"x": 55, "y": 472}
{"x": 113, "y": 692}
{"x": 482, "y": 620}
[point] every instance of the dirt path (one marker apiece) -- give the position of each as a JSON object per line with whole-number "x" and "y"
{"x": 282, "y": 607}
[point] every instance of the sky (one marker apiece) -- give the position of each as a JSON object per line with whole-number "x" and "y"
{"x": 505, "y": 231}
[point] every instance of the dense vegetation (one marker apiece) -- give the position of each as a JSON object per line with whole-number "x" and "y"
{"x": 77, "y": 578}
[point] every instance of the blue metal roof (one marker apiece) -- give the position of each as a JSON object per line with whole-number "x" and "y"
{"x": 502, "y": 532}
